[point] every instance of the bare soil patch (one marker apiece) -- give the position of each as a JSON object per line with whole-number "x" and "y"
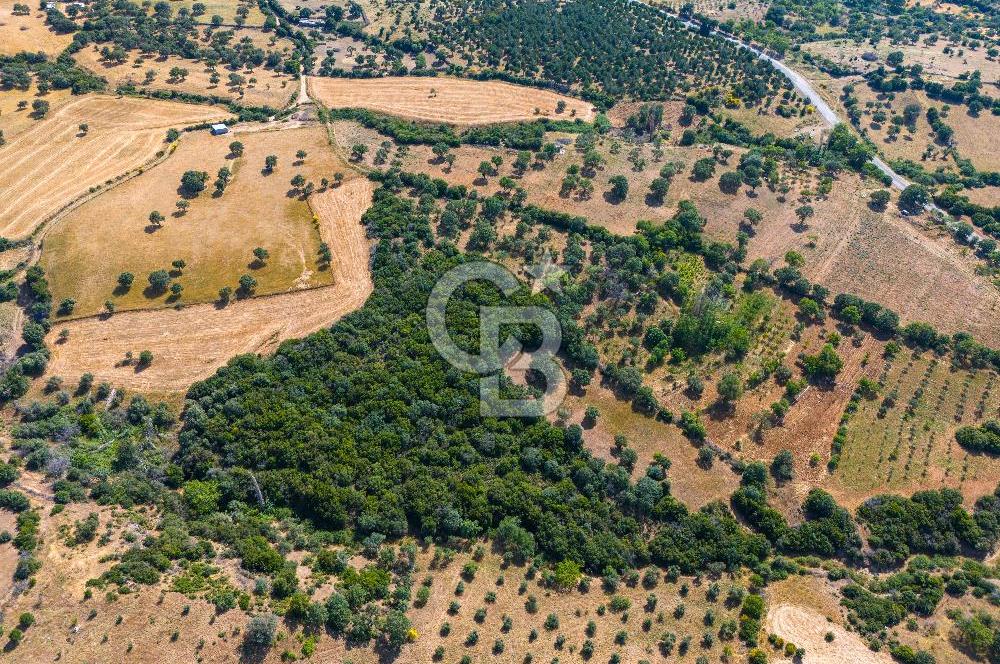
{"x": 53, "y": 162}
{"x": 190, "y": 343}
{"x": 444, "y": 99}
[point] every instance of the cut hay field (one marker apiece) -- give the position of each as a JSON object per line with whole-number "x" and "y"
{"x": 28, "y": 33}
{"x": 84, "y": 254}
{"x": 188, "y": 344}
{"x": 444, "y": 99}
{"x": 903, "y": 440}
{"x": 269, "y": 88}
{"x": 47, "y": 166}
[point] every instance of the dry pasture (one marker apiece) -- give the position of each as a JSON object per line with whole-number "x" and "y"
{"x": 270, "y": 89}
{"x": 215, "y": 237}
{"x": 445, "y": 99}
{"x": 224, "y": 8}
{"x": 53, "y": 162}
{"x": 937, "y": 64}
{"x": 911, "y": 446}
{"x": 14, "y": 120}
{"x": 973, "y": 138}
{"x": 190, "y": 343}
{"x": 28, "y": 33}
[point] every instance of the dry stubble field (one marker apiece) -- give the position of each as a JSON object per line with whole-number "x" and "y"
{"x": 444, "y": 99}
{"x": 190, "y": 343}
{"x": 53, "y": 162}
{"x": 215, "y": 237}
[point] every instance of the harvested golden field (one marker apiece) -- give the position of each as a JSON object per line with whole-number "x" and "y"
{"x": 188, "y": 344}
{"x": 53, "y": 162}
{"x": 214, "y": 237}
{"x": 263, "y": 87}
{"x": 444, "y": 99}
{"x": 28, "y": 33}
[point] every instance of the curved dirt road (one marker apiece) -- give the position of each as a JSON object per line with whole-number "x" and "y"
{"x": 799, "y": 82}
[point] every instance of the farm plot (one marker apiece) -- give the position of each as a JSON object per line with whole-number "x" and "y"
{"x": 28, "y": 32}
{"x": 511, "y": 614}
{"x": 260, "y": 87}
{"x": 903, "y": 439}
{"x": 451, "y": 100}
{"x": 215, "y": 236}
{"x": 53, "y": 162}
{"x": 188, "y": 344}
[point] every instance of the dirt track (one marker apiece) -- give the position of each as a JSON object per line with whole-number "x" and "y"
{"x": 190, "y": 343}
{"x": 48, "y": 165}
{"x": 441, "y": 99}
